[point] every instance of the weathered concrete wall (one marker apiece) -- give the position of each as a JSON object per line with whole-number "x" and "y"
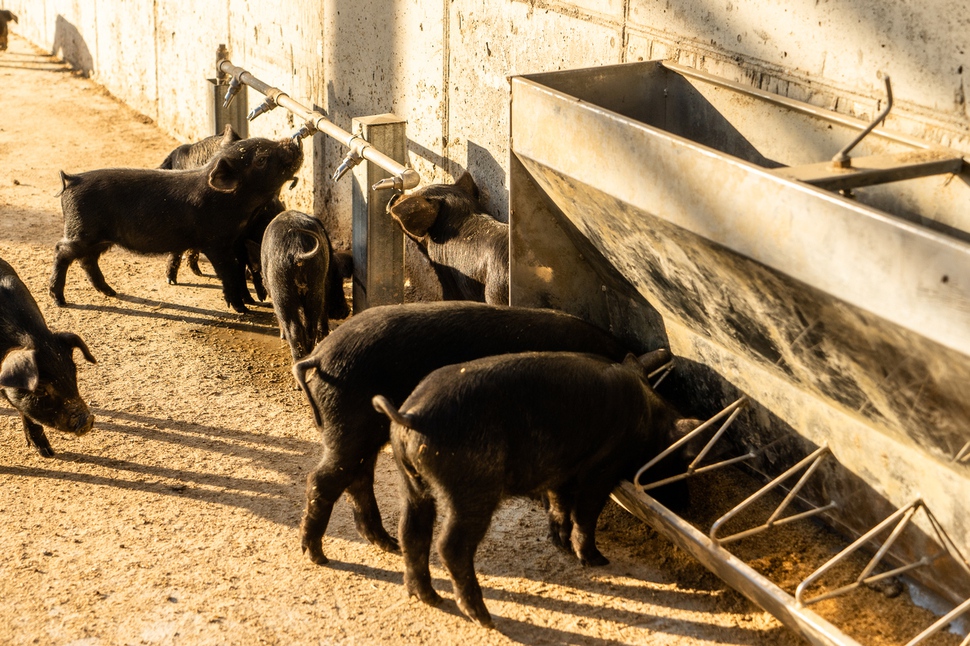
{"x": 443, "y": 64}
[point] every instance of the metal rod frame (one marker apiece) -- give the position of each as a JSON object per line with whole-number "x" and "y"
{"x": 902, "y": 518}
{"x": 731, "y": 411}
{"x": 403, "y": 177}
{"x": 815, "y": 459}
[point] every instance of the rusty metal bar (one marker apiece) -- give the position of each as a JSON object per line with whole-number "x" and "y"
{"x": 841, "y": 158}
{"x": 403, "y": 178}
{"x": 874, "y": 169}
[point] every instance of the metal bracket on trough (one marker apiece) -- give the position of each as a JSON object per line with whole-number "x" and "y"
{"x": 874, "y": 169}
{"x": 731, "y": 412}
{"x": 902, "y": 518}
{"x": 964, "y": 453}
{"x": 812, "y": 460}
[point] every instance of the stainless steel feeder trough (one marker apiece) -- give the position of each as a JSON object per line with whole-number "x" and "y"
{"x": 680, "y": 209}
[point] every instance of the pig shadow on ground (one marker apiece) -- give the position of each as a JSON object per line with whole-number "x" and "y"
{"x": 257, "y": 322}
{"x": 70, "y": 46}
{"x": 273, "y": 501}
{"x": 525, "y": 633}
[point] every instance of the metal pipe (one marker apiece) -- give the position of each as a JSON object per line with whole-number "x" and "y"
{"x": 942, "y": 623}
{"x": 403, "y": 177}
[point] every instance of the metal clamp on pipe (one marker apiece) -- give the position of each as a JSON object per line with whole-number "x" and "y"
{"x": 357, "y": 145}
{"x": 407, "y": 179}
{"x": 305, "y": 131}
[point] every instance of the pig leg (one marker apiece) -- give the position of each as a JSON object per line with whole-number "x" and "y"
{"x": 589, "y": 504}
{"x": 324, "y": 486}
{"x": 560, "y": 522}
{"x": 36, "y": 438}
{"x": 334, "y": 475}
{"x": 466, "y": 522}
{"x": 174, "y": 262}
{"x": 66, "y": 252}
{"x": 415, "y": 531}
{"x": 230, "y": 272}
{"x": 63, "y": 257}
{"x": 192, "y": 258}
{"x": 90, "y": 265}
{"x": 367, "y": 516}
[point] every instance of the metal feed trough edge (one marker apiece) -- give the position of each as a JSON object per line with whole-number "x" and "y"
{"x": 791, "y": 610}
{"x": 674, "y": 208}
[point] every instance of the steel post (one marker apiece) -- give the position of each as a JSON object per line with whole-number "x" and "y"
{"x": 378, "y": 242}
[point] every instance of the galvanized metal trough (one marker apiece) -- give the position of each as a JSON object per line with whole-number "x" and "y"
{"x": 679, "y": 209}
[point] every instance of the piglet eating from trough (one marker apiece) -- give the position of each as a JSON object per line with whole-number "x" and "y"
{"x": 569, "y": 426}
{"x": 37, "y": 374}
{"x": 157, "y": 211}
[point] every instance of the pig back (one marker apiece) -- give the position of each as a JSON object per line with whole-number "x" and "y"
{"x": 388, "y": 349}
{"x": 20, "y": 318}
{"x": 536, "y": 417}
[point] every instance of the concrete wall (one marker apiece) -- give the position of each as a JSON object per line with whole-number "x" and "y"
{"x": 443, "y": 64}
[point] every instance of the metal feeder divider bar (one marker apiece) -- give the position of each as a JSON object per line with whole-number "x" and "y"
{"x": 403, "y": 177}
{"x": 798, "y": 603}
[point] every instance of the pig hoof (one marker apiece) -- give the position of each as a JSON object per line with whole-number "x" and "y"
{"x": 596, "y": 560}
{"x": 428, "y": 596}
{"x": 315, "y": 553}
{"x": 478, "y": 614}
{"x": 388, "y": 544}
{"x": 45, "y": 451}
{"x": 557, "y": 540}
{"x": 172, "y": 281}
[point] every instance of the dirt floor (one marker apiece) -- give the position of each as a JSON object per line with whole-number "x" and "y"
{"x": 175, "y": 520}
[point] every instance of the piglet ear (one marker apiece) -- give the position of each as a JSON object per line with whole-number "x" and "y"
{"x": 228, "y": 136}
{"x": 654, "y": 359}
{"x": 19, "y": 370}
{"x": 631, "y": 361}
{"x": 415, "y": 214}
{"x": 223, "y": 177}
{"x": 74, "y": 341}
{"x": 467, "y": 185}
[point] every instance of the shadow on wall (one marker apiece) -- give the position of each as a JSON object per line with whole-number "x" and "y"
{"x": 488, "y": 172}
{"x": 69, "y": 45}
